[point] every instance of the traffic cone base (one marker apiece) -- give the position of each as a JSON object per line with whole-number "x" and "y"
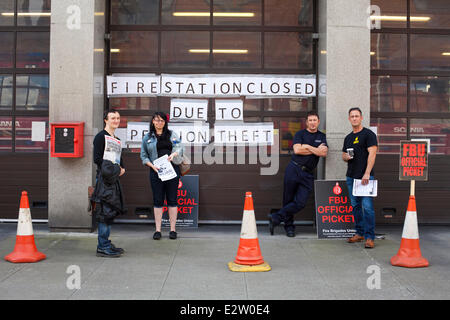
{"x": 245, "y": 268}
{"x": 25, "y": 251}
{"x": 409, "y": 255}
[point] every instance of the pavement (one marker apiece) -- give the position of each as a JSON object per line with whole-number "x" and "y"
{"x": 194, "y": 267}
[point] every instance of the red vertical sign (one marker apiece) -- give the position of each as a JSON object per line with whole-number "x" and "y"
{"x": 413, "y": 160}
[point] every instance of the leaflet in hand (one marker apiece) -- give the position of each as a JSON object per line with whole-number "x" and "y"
{"x": 113, "y": 149}
{"x": 368, "y": 190}
{"x": 166, "y": 170}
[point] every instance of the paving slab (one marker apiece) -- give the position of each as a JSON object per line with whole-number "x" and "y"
{"x": 194, "y": 266}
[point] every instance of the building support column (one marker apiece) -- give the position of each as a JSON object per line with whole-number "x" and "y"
{"x": 344, "y": 73}
{"x": 76, "y": 94}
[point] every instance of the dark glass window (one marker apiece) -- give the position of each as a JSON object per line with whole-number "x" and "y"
{"x": 437, "y": 130}
{"x": 241, "y": 13}
{"x": 32, "y": 92}
{"x": 389, "y": 132}
{"x": 24, "y": 81}
{"x": 134, "y": 49}
{"x": 241, "y": 37}
{"x": 288, "y": 13}
{"x": 388, "y": 51}
{"x": 6, "y": 88}
{"x": 6, "y": 134}
{"x": 7, "y": 13}
{"x": 388, "y": 93}
{"x": 430, "y": 14}
{"x": 185, "y": 49}
{"x": 135, "y": 12}
{"x": 237, "y": 49}
{"x": 410, "y": 80}
{"x": 290, "y": 50}
{"x": 33, "y": 12}
{"x": 430, "y": 94}
{"x": 33, "y": 50}
{"x": 186, "y": 12}
{"x": 6, "y": 49}
{"x": 430, "y": 52}
{"x": 391, "y": 14}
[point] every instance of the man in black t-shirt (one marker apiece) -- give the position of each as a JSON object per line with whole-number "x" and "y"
{"x": 359, "y": 151}
{"x": 309, "y": 145}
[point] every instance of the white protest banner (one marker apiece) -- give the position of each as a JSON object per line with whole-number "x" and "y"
{"x": 211, "y": 85}
{"x": 133, "y": 85}
{"x": 136, "y": 132}
{"x": 113, "y": 149}
{"x": 191, "y": 134}
{"x": 232, "y": 109}
{"x": 188, "y": 110}
{"x": 251, "y": 134}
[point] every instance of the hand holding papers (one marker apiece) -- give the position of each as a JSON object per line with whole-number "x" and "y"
{"x": 368, "y": 190}
{"x": 166, "y": 170}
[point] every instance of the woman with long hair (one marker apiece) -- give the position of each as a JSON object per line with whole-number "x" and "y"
{"x": 158, "y": 142}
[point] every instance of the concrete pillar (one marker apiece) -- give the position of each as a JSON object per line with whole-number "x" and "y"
{"x": 344, "y": 73}
{"x": 76, "y": 94}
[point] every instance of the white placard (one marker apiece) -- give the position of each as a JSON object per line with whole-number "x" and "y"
{"x": 428, "y": 141}
{"x": 211, "y": 85}
{"x": 37, "y": 130}
{"x": 192, "y": 134}
{"x": 188, "y": 110}
{"x": 165, "y": 168}
{"x": 230, "y": 110}
{"x": 133, "y": 85}
{"x": 251, "y": 134}
{"x": 136, "y": 131}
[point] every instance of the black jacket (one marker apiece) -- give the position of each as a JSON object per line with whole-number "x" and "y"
{"x": 108, "y": 195}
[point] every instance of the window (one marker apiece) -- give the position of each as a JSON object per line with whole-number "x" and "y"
{"x": 410, "y": 82}
{"x": 215, "y": 37}
{"x": 24, "y": 76}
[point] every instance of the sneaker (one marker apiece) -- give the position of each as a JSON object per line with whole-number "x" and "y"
{"x": 107, "y": 253}
{"x": 119, "y": 250}
{"x": 172, "y": 235}
{"x": 157, "y": 235}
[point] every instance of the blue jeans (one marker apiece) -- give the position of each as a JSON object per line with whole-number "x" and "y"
{"x": 103, "y": 234}
{"x": 363, "y": 213}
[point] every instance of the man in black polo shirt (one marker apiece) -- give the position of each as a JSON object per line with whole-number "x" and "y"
{"x": 309, "y": 145}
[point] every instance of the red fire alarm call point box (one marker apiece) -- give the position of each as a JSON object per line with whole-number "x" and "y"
{"x": 67, "y": 139}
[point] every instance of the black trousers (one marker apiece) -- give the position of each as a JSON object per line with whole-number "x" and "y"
{"x": 164, "y": 190}
{"x": 298, "y": 185}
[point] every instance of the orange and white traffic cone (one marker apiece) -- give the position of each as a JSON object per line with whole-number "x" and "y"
{"x": 25, "y": 249}
{"x": 409, "y": 254}
{"x": 249, "y": 257}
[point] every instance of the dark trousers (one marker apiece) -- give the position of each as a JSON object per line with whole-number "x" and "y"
{"x": 164, "y": 189}
{"x": 298, "y": 184}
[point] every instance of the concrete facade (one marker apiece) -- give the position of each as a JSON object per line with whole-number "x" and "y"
{"x": 344, "y": 73}
{"x": 76, "y": 49}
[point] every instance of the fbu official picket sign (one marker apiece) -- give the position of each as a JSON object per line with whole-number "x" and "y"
{"x": 67, "y": 139}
